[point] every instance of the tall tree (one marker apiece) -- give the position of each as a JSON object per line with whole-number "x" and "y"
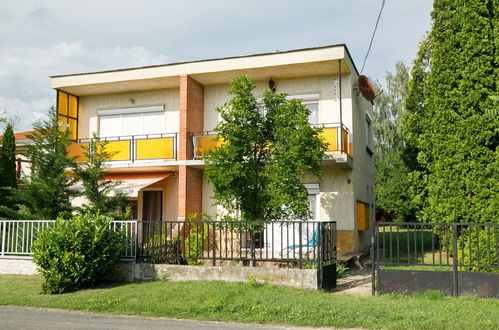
{"x": 455, "y": 135}
{"x": 389, "y": 111}
{"x": 46, "y": 192}
{"x": 391, "y": 175}
{"x": 91, "y": 172}
{"x": 265, "y": 153}
{"x": 8, "y": 175}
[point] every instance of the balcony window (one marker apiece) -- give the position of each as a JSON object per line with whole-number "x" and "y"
{"x": 67, "y": 110}
{"x": 125, "y": 122}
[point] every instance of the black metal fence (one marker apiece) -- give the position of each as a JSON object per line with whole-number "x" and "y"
{"x": 411, "y": 257}
{"x": 301, "y": 243}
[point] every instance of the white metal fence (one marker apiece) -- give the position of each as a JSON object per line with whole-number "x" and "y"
{"x": 17, "y": 237}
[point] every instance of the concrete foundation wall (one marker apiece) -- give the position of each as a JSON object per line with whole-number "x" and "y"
{"x": 128, "y": 272}
{"x": 17, "y": 267}
{"x": 298, "y": 278}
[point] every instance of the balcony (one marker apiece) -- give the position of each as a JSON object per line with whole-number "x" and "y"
{"x": 337, "y": 143}
{"x": 133, "y": 148}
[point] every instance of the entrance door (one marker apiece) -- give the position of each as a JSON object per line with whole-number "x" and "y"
{"x": 152, "y": 211}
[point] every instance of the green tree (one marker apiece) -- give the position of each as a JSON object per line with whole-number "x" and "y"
{"x": 450, "y": 126}
{"x": 8, "y": 174}
{"x": 46, "y": 193}
{"x": 266, "y": 151}
{"x": 92, "y": 175}
{"x": 391, "y": 176}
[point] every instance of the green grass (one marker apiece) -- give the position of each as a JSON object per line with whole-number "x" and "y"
{"x": 255, "y": 303}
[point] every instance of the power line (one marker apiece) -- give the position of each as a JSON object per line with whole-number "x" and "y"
{"x": 372, "y": 38}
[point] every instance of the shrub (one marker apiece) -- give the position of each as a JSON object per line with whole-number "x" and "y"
{"x": 195, "y": 242}
{"x": 77, "y": 252}
{"x": 479, "y": 248}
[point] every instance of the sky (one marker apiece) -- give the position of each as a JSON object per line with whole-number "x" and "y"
{"x": 52, "y": 37}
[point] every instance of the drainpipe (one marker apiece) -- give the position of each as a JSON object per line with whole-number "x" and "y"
{"x": 341, "y": 107}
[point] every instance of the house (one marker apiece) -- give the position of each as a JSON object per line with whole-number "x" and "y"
{"x": 160, "y": 119}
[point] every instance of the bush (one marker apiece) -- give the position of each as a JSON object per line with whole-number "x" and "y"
{"x": 479, "y": 248}
{"x": 77, "y": 252}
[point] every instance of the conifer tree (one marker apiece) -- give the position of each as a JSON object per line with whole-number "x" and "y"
{"x": 450, "y": 125}
{"x": 8, "y": 175}
{"x": 46, "y": 193}
{"x": 97, "y": 188}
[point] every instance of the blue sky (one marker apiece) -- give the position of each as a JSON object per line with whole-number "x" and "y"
{"x": 43, "y": 38}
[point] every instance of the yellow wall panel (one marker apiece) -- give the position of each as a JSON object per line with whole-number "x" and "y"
{"x": 73, "y": 106}
{"x": 155, "y": 148}
{"x": 206, "y": 143}
{"x": 76, "y": 150}
{"x": 362, "y": 216}
{"x": 331, "y": 136}
{"x": 73, "y": 123}
{"x": 120, "y": 150}
{"x": 62, "y": 105}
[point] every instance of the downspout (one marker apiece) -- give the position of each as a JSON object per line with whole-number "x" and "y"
{"x": 341, "y": 107}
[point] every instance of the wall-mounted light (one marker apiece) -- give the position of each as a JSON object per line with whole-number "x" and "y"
{"x": 131, "y": 100}
{"x": 271, "y": 85}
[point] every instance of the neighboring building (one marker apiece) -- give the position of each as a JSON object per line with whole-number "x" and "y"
{"x": 160, "y": 119}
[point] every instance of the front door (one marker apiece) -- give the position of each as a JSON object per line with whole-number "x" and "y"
{"x": 152, "y": 213}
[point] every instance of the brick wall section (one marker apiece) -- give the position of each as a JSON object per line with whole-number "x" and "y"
{"x": 190, "y": 181}
{"x": 191, "y": 101}
{"x": 190, "y": 195}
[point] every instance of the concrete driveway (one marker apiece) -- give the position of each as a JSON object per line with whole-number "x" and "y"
{"x": 41, "y": 318}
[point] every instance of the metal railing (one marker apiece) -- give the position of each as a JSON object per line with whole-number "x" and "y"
{"x": 133, "y": 148}
{"x": 468, "y": 246}
{"x": 303, "y": 243}
{"x": 339, "y": 141}
{"x": 17, "y": 237}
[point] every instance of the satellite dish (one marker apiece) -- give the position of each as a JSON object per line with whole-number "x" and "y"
{"x": 366, "y": 88}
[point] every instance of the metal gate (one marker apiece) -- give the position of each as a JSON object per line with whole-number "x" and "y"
{"x": 457, "y": 259}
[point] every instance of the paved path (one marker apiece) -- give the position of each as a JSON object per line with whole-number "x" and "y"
{"x": 356, "y": 282}
{"x": 41, "y": 318}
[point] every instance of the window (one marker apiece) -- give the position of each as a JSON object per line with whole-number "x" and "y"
{"x": 368, "y": 131}
{"x": 311, "y": 102}
{"x": 314, "y": 200}
{"x": 67, "y": 110}
{"x": 125, "y": 122}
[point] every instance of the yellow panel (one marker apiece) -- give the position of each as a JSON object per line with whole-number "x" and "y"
{"x": 120, "y": 150}
{"x": 206, "y": 143}
{"x": 76, "y": 150}
{"x": 362, "y": 216}
{"x": 331, "y": 136}
{"x": 155, "y": 148}
{"x": 73, "y": 106}
{"x": 64, "y": 122}
{"x": 345, "y": 144}
{"x": 73, "y": 123}
{"x": 62, "y": 105}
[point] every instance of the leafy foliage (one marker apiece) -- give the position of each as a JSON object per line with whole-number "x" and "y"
{"x": 92, "y": 175}
{"x": 450, "y": 126}
{"x": 257, "y": 169}
{"x": 391, "y": 176}
{"x": 479, "y": 247}
{"x": 77, "y": 252}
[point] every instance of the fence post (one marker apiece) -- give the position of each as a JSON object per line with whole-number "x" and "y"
{"x": 455, "y": 288}
{"x": 214, "y": 243}
{"x": 300, "y": 251}
{"x": 373, "y": 259}
{"x": 3, "y": 237}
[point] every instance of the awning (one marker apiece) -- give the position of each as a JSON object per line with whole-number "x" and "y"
{"x": 130, "y": 184}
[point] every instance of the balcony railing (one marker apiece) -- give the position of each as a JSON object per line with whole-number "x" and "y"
{"x": 336, "y": 143}
{"x": 133, "y": 148}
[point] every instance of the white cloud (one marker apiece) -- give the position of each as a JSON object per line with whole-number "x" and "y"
{"x": 25, "y": 71}
{"x": 24, "y": 113}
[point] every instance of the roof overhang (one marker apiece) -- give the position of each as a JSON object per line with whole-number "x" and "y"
{"x": 289, "y": 64}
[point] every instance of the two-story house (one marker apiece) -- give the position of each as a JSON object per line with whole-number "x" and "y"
{"x": 160, "y": 119}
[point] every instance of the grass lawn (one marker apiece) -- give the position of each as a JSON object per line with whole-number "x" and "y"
{"x": 253, "y": 303}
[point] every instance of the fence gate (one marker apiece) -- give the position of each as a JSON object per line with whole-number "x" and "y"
{"x": 457, "y": 259}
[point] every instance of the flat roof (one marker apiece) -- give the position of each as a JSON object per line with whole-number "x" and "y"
{"x": 278, "y": 65}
